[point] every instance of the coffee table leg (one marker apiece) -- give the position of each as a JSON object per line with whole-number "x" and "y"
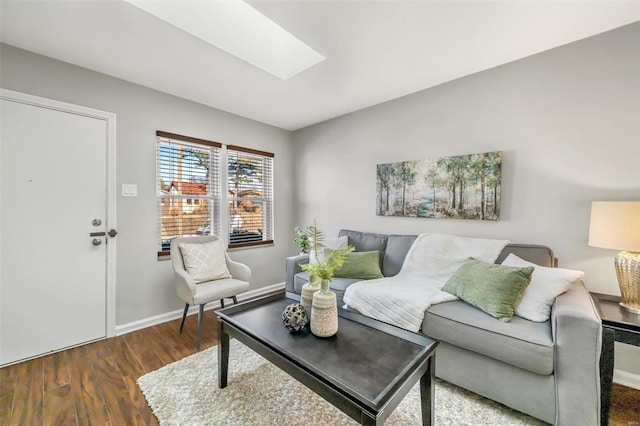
{"x": 428, "y": 392}
{"x": 366, "y": 420}
{"x": 223, "y": 355}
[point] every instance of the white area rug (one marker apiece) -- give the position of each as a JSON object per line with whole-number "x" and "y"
{"x": 186, "y": 393}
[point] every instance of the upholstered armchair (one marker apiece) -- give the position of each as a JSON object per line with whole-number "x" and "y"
{"x": 205, "y": 273}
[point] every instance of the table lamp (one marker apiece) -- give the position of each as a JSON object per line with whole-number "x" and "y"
{"x": 616, "y": 225}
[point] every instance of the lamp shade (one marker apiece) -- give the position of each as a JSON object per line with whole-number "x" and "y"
{"x": 615, "y": 225}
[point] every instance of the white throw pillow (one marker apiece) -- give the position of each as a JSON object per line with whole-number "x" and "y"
{"x": 330, "y": 243}
{"x": 205, "y": 261}
{"x": 546, "y": 284}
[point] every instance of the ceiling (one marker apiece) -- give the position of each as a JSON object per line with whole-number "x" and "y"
{"x": 375, "y": 50}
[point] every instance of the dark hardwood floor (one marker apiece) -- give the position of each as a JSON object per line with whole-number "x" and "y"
{"x": 96, "y": 383}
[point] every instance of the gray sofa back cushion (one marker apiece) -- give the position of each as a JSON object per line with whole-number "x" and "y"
{"x": 397, "y": 248}
{"x": 394, "y": 248}
{"x": 366, "y": 241}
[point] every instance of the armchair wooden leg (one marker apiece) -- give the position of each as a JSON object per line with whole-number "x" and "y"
{"x": 184, "y": 315}
{"x": 235, "y": 299}
{"x": 222, "y": 303}
{"x": 200, "y": 315}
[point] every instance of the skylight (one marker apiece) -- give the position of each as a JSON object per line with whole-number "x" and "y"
{"x": 238, "y": 29}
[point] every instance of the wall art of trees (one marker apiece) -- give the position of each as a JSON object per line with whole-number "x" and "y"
{"x": 459, "y": 187}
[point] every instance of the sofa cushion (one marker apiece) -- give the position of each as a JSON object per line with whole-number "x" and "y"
{"x": 495, "y": 289}
{"x": 397, "y": 248}
{"x": 300, "y": 279}
{"x": 337, "y": 285}
{"x": 360, "y": 264}
{"x": 366, "y": 241}
{"x": 521, "y": 343}
{"x": 329, "y": 243}
{"x": 546, "y": 285}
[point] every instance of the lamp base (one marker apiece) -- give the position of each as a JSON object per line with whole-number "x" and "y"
{"x": 630, "y": 309}
{"x": 628, "y": 271}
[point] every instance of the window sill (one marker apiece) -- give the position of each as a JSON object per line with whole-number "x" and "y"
{"x": 166, "y": 255}
{"x": 250, "y": 245}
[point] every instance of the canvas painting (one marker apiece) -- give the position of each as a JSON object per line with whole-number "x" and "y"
{"x": 459, "y": 187}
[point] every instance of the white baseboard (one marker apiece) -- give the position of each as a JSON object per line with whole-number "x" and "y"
{"x": 626, "y": 379}
{"x": 170, "y": 316}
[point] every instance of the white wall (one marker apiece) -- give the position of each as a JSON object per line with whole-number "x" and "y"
{"x": 567, "y": 121}
{"x": 145, "y": 286}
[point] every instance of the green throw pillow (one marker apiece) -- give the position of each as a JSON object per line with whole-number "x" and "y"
{"x": 364, "y": 265}
{"x": 495, "y": 289}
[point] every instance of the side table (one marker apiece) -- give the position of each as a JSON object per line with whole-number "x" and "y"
{"x": 618, "y": 325}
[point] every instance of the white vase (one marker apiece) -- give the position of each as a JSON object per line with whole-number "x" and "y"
{"x": 306, "y": 296}
{"x": 324, "y": 312}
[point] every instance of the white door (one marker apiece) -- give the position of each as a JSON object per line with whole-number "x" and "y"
{"x": 53, "y": 291}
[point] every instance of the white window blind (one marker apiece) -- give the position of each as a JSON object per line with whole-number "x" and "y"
{"x": 250, "y": 196}
{"x": 188, "y": 187}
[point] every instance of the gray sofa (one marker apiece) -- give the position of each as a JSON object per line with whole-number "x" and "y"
{"x": 548, "y": 370}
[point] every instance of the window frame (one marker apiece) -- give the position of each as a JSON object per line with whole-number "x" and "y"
{"x": 214, "y": 182}
{"x": 267, "y": 197}
{"x": 219, "y": 199}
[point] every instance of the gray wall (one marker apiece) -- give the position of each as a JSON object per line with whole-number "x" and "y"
{"x": 567, "y": 121}
{"x": 145, "y": 284}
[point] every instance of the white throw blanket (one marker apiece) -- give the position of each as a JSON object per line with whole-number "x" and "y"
{"x": 430, "y": 262}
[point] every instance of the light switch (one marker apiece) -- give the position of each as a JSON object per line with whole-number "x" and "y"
{"x": 129, "y": 190}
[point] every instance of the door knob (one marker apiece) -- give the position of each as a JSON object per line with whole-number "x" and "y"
{"x": 112, "y": 233}
{"x": 96, "y": 241}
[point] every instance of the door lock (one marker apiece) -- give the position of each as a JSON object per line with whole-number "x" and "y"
{"x": 96, "y": 241}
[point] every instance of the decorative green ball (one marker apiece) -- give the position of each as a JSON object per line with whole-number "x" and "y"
{"x": 295, "y": 317}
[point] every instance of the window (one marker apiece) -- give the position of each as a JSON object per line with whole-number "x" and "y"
{"x": 190, "y": 196}
{"x": 188, "y": 187}
{"x": 250, "y": 196}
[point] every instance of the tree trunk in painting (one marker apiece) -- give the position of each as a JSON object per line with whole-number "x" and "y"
{"x": 453, "y": 192}
{"x": 481, "y": 172}
{"x": 387, "y": 202}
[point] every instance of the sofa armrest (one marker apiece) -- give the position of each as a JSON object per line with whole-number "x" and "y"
{"x": 577, "y": 332}
{"x": 292, "y": 268}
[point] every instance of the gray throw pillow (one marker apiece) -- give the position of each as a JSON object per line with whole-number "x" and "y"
{"x": 495, "y": 289}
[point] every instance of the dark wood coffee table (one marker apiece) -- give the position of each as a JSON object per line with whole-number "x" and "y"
{"x": 365, "y": 370}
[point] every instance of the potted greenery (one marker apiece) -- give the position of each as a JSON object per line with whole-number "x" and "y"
{"x": 301, "y": 239}
{"x": 318, "y": 300}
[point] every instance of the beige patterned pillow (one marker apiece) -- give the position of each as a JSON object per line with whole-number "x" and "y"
{"x": 205, "y": 261}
